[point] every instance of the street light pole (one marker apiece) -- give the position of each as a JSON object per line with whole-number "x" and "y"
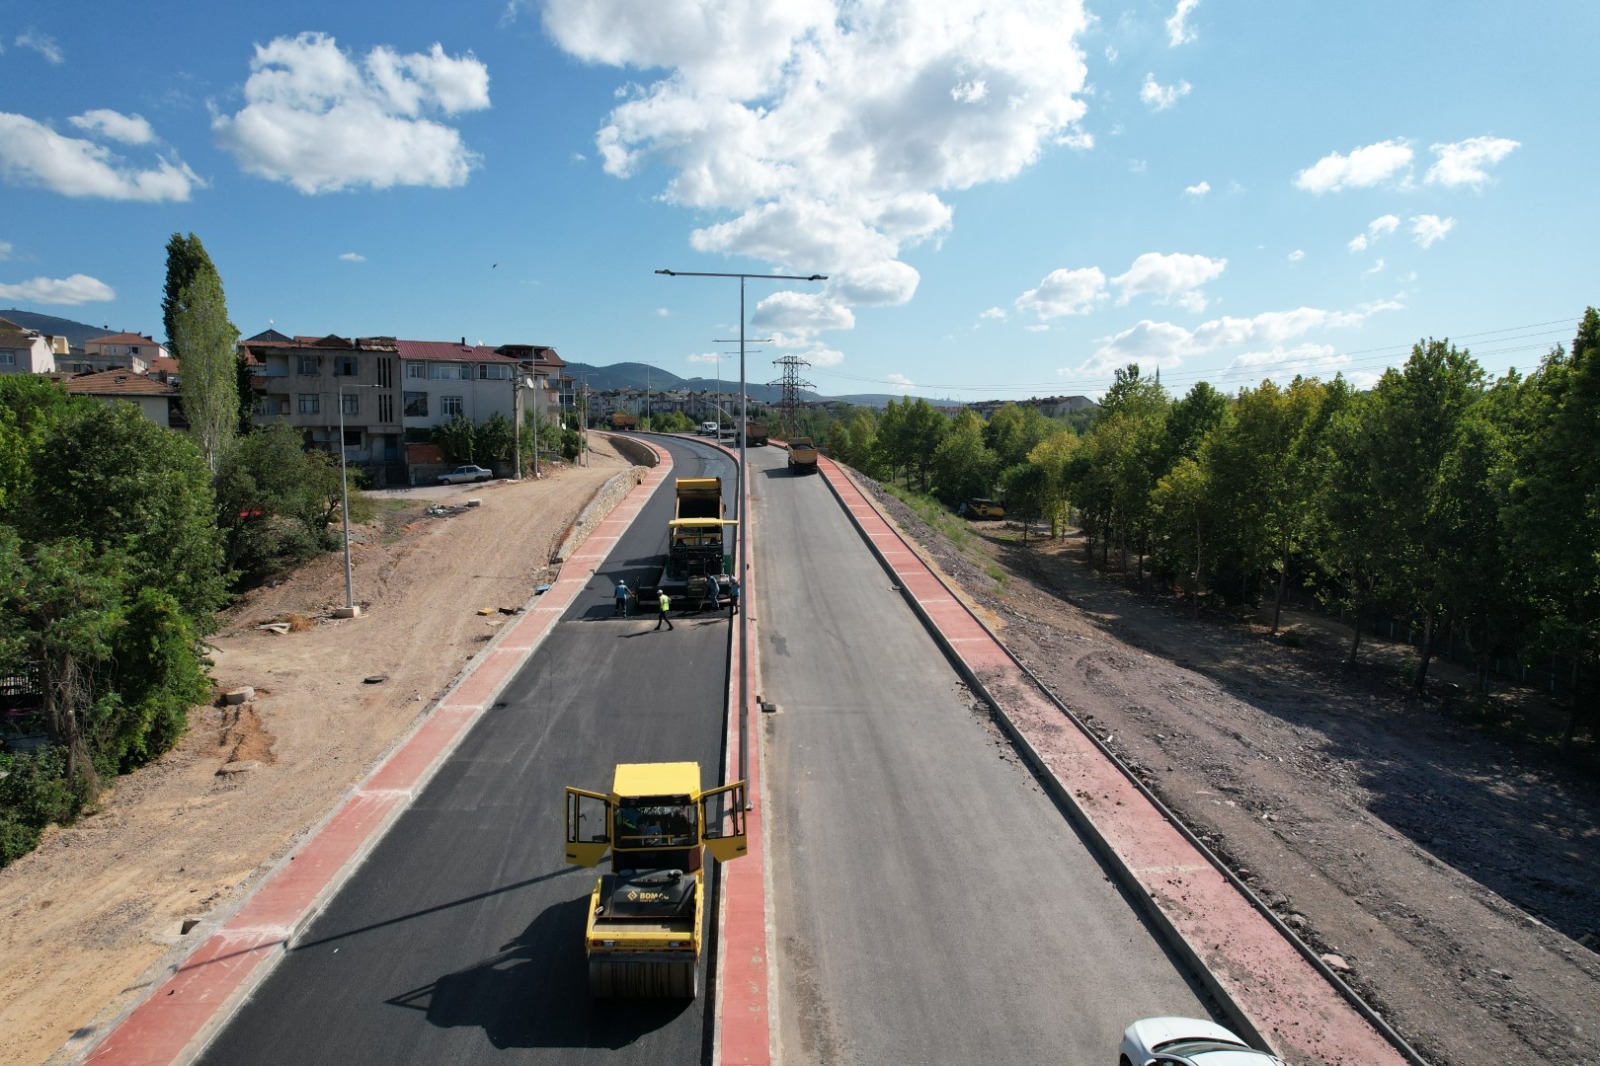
{"x": 742, "y": 528}
{"x": 350, "y": 608}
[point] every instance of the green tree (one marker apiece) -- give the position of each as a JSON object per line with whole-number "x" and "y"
{"x": 1553, "y": 508}
{"x": 186, "y": 259}
{"x": 1014, "y": 430}
{"x": 1053, "y": 459}
{"x": 110, "y": 477}
{"x": 274, "y": 502}
{"x": 1183, "y": 508}
{"x": 963, "y": 466}
{"x": 206, "y": 345}
{"x": 1419, "y": 411}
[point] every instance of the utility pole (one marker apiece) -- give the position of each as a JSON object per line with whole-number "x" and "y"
{"x": 743, "y": 519}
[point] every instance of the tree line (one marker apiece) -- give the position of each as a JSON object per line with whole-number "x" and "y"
{"x": 1456, "y": 503}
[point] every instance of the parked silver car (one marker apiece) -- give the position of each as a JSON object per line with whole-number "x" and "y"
{"x": 1187, "y": 1042}
{"x": 463, "y": 474}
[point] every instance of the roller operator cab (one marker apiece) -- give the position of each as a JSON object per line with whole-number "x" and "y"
{"x": 646, "y": 915}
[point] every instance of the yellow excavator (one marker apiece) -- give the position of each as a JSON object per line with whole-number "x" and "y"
{"x": 645, "y": 915}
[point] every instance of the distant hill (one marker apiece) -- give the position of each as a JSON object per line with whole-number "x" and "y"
{"x": 75, "y": 332}
{"x": 639, "y": 375}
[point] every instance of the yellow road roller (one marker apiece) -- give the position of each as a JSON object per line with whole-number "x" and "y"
{"x": 645, "y": 916}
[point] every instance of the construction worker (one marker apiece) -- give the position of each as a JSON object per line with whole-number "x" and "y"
{"x": 665, "y": 603}
{"x": 712, "y": 588}
{"x": 623, "y": 592}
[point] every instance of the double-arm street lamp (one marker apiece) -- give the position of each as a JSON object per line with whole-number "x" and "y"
{"x": 350, "y": 608}
{"x": 743, "y": 527}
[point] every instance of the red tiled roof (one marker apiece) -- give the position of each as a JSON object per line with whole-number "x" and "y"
{"x": 121, "y": 338}
{"x": 454, "y": 351}
{"x": 165, "y": 364}
{"x": 450, "y": 351}
{"x": 118, "y": 383}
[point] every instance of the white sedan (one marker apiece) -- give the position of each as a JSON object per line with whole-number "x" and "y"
{"x": 1187, "y": 1042}
{"x": 463, "y": 474}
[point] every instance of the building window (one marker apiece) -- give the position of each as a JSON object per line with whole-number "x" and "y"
{"x": 385, "y": 408}
{"x": 345, "y": 366}
{"x": 310, "y": 403}
{"x": 494, "y": 372}
{"x": 352, "y": 438}
{"x": 416, "y": 370}
{"x": 133, "y": 349}
{"x": 350, "y": 403}
{"x": 416, "y": 405}
{"x": 450, "y": 371}
{"x": 451, "y": 406}
{"x": 308, "y": 366}
{"x": 8, "y": 358}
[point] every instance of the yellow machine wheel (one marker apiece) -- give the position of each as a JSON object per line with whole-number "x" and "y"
{"x": 643, "y": 980}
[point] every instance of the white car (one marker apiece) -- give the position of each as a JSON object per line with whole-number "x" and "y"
{"x": 1187, "y": 1042}
{"x": 463, "y": 474}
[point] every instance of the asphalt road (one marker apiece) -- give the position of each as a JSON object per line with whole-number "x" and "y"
{"x": 460, "y": 939}
{"x": 930, "y": 904}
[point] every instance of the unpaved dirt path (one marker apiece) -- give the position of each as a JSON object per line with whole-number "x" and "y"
{"x": 1453, "y": 872}
{"x": 91, "y": 916}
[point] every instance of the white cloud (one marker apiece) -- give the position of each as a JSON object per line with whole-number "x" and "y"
{"x": 1297, "y": 255}
{"x": 1160, "y": 97}
{"x": 1166, "y": 344}
{"x": 1197, "y": 191}
{"x": 1427, "y": 230}
{"x": 1382, "y": 226}
{"x": 34, "y": 154}
{"x": 353, "y": 257}
{"x": 6, "y": 248}
{"x": 821, "y": 135}
{"x": 319, "y": 121}
{"x": 115, "y": 126}
{"x": 663, "y": 312}
{"x": 1363, "y": 168}
{"x": 997, "y": 313}
{"x": 1463, "y": 162}
{"x": 1375, "y": 268}
{"x": 44, "y": 44}
{"x": 795, "y": 316}
{"x": 1065, "y": 292}
{"x": 1169, "y": 278}
{"x": 78, "y": 289}
{"x": 1178, "y": 29}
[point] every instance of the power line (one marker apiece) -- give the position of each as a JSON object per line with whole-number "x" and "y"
{"x": 1379, "y": 356}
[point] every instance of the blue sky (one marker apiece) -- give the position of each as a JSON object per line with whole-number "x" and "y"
{"x": 1009, "y": 198}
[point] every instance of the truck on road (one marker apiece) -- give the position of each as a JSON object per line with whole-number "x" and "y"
{"x": 755, "y": 434}
{"x": 695, "y": 546}
{"x": 646, "y": 916}
{"x": 802, "y": 456}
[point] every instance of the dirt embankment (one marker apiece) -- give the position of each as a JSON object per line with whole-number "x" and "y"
{"x": 88, "y": 918}
{"x": 1454, "y": 870}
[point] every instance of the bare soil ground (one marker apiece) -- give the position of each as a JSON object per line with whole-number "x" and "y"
{"x": 88, "y": 919}
{"x": 1454, "y": 868}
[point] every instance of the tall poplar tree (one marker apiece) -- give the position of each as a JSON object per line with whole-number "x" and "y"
{"x": 204, "y": 341}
